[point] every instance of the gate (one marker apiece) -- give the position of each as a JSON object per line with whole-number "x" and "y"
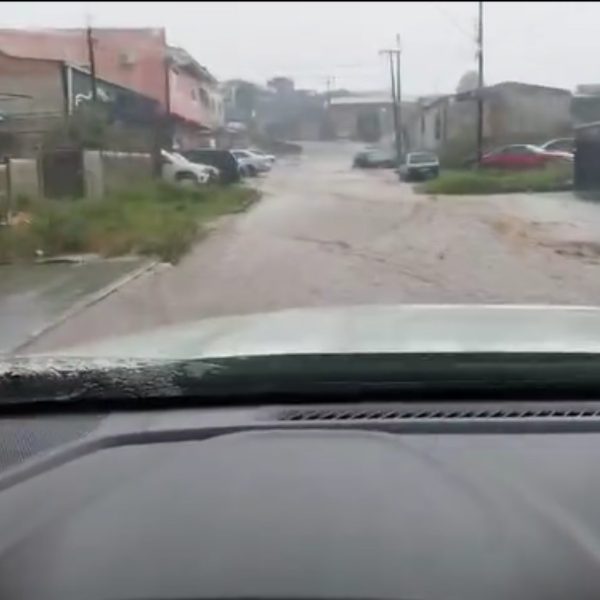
{"x": 587, "y": 157}
{"x": 62, "y": 173}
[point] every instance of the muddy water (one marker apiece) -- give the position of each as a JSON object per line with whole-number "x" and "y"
{"x": 325, "y": 234}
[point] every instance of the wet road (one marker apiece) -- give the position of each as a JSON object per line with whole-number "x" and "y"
{"x": 325, "y": 234}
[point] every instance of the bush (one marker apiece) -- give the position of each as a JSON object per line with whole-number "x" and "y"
{"x": 490, "y": 182}
{"x": 154, "y": 219}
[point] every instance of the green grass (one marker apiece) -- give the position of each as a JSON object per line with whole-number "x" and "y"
{"x": 494, "y": 182}
{"x": 155, "y": 219}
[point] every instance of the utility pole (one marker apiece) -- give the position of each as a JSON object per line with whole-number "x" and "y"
{"x": 399, "y": 97}
{"x": 92, "y": 61}
{"x": 480, "y": 82}
{"x": 329, "y": 82}
{"x": 391, "y": 53}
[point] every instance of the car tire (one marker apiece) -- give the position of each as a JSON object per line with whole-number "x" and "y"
{"x": 187, "y": 179}
{"x": 252, "y": 172}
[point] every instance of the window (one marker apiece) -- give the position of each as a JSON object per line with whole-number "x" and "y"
{"x": 204, "y": 97}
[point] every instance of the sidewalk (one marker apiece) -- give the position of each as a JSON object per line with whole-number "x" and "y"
{"x": 33, "y": 298}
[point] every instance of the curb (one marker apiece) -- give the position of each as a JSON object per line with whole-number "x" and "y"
{"x": 84, "y": 303}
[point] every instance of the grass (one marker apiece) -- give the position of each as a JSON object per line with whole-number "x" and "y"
{"x": 156, "y": 219}
{"x": 494, "y": 182}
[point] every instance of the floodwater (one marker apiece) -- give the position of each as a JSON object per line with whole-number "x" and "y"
{"x": 326, "y": 235}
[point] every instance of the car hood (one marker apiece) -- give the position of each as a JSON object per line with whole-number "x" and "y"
{"x": 365, "y": 329}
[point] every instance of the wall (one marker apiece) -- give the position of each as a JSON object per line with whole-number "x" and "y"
{"x": 24, "y": 178}
{"x": 39, "y": 79}
{"x": 532, "y": 110}
{"x": 345, "y": 118}
{"x": 105, "y": 171}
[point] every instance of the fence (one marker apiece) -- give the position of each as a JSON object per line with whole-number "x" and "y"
{"x": 69, "y": 173}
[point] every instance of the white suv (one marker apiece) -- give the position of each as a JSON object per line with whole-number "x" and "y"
{"x": 178, "y": 169}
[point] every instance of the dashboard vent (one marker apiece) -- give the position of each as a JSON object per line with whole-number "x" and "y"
{"x": 443, "y": 413}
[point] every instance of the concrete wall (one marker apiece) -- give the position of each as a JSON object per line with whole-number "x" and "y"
{"x": 517, "y": 110}
{"x": 106, "y": 172}
{"x": 24, "y": 178}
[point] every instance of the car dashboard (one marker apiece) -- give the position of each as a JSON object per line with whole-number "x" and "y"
{"x": 394, "y": 500}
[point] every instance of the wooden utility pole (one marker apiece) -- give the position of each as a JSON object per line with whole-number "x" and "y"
{"x": 391, "y": 53}
{"x": 92, "y": 61}
{"x": 480, "y": 83}
{"x": 329, "y": 82}
{"x": 399, "y": 98}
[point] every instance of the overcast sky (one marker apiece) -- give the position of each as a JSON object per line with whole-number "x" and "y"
{"x": 544, "y": 43}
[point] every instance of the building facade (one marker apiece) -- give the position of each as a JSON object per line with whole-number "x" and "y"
{"x": 136, "y": 59}
{"x": 512, "y": 113}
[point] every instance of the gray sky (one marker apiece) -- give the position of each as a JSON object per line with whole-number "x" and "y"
{"x": 548, "y": 43}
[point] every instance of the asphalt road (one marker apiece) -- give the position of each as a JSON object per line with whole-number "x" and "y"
{"x": 325, "y": 234}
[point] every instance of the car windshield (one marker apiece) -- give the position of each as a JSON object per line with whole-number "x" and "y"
{"x": 421, "y": 157}
{"x": 290, "y": 176}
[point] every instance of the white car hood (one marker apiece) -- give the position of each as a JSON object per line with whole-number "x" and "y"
{"x": 366, "y": 329}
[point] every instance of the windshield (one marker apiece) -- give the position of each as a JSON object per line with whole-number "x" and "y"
{"x": 112, "y": 226}
{"x": 421, "y": 157}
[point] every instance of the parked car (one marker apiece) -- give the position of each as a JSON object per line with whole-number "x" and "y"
{"x": 374, "y": 158}
{"x": 229, "y": 169}
{"x": 251, "y": 164}
{"x": 560, "y": 144}
{"x": 178, "y": 169}
{"x": 419, "y": 165}
{"x": 522, "y": 156}
{"x": 268, "y": 157}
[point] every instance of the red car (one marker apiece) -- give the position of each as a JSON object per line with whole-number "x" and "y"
{"x": 522, "y": 156}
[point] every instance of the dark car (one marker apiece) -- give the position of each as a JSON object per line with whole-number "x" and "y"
{"x": 222, "y": 159}
{"x": 374, "y": 158}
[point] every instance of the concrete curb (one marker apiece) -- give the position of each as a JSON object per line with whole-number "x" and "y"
{"x": 86, "y": 302}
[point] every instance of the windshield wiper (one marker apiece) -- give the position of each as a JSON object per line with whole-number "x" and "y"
{"x": 116, "y": 383}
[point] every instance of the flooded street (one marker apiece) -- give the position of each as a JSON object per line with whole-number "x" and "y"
{"x": 325, "y": 234}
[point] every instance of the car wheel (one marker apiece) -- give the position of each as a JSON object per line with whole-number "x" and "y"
{"x": 252, "y": 172}
{"x": 187, "y": 179}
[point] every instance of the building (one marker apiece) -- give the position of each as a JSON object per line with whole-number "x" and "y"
{"x": 136, "y": 59}
{"x": 278, "y": 109}
{"x": 41, "y": 95}
{"x": 368, "y": 116}
{"x": 512, "y": 112}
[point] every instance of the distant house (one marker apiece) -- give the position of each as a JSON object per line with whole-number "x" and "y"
{"x": 512, "y": 112}
{"x": 367, "y": 116}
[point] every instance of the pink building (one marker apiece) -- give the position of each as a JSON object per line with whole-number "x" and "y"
{"x": 138, "y": 59}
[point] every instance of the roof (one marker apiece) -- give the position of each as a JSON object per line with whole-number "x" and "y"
{"x": 513, "y": 84}
{"x": 381, "y": 98}
{"x": 181, "y": 58}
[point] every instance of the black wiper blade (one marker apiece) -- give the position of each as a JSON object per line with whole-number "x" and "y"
{"x": 245, "y": 379}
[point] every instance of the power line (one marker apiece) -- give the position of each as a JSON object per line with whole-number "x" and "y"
{"x": 452, "y": 20}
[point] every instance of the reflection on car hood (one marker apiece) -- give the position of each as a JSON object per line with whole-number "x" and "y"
{"x": 366, "y": 329}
